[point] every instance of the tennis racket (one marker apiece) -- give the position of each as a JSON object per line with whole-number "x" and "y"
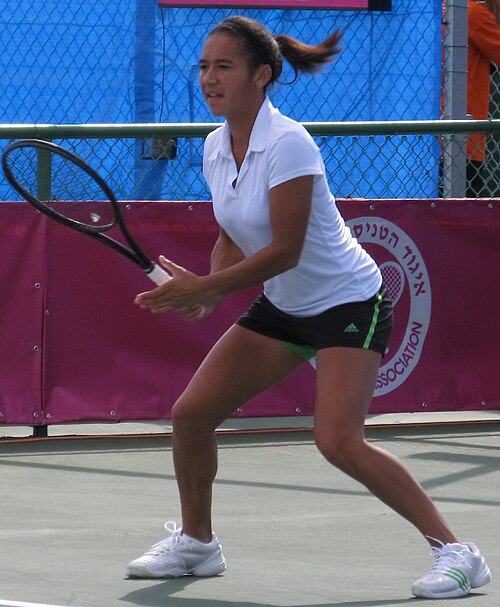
{"x": 64, "y": 187}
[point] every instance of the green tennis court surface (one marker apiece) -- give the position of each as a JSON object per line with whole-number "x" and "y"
{"x": 22, "y": 604}
{"x": 295, "y": 532}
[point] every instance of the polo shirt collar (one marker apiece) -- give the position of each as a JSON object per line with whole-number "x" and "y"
{"x": 258, "y": 136}
{"x": 260, "y": 130}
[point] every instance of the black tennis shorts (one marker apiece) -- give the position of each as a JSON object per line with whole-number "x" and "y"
{"x": 364, "y": 324}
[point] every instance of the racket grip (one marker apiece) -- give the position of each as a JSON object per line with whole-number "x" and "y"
{"x": 158, "y": 275}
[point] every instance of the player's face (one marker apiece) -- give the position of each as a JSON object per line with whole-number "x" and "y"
{"x": 230, "y": 85}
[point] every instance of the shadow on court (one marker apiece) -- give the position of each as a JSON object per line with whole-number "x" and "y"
{"x": 163, "y": 593}
{"x": 295, "y": 531}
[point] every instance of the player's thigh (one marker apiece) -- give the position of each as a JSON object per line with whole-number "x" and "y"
{"x": 242, "y": 364}
{"x": 345, "y": 382}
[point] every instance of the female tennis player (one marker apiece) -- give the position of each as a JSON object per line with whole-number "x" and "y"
{"x": 323, "y": 295}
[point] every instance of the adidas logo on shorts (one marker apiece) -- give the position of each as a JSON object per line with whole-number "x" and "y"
{"x": 352, "y": 328}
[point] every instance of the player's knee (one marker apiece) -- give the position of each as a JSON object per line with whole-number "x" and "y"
{"x": 182, "y": 418}
{"x": 186, "y": 419}
{"x": 340, "y": 449}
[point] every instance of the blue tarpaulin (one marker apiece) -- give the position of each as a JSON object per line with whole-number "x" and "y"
{"x": 109, "y": 61}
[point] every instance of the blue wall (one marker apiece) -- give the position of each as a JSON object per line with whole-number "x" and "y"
{"x": 106, "y": 61}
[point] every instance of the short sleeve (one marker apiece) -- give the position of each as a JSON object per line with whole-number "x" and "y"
{"x": 293, "y": 154}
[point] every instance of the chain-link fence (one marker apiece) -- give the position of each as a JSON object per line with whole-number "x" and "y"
{"x": 114, "y": 61}
{"x": 109, "y": 61}
{"x": 363, "y": 160}
{"x": 471, "y": 89}
{"x": 490, "y": 175}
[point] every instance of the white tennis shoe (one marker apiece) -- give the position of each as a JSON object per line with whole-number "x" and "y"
{"x": 457, "y": 569}
{"x": 179, "y": 555}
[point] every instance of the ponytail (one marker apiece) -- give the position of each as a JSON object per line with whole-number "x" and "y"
{"x": 306, "y": 58}
{"x": 263, "y": 47}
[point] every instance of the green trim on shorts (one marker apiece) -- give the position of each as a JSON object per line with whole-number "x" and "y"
{"x": 304, "y": 351}
{"x": 373, "y": 326}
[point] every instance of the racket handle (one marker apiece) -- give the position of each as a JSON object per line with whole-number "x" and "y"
{"x": 158, "y": 275}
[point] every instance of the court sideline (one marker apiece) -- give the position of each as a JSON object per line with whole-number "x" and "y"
{"x": 295, "y": 532}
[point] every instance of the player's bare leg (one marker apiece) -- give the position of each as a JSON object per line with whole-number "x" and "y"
{"x": 241, "y": 365}
{"x": 345, "y": 383}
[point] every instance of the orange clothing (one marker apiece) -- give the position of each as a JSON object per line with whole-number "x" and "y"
{"x": 484, "y": 49}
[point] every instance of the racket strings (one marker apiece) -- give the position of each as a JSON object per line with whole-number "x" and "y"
{"x": 62, "y": 185}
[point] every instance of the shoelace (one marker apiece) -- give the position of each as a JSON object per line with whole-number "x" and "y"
{"x": 170, "y": 543}
{"x": 442, "y": 554}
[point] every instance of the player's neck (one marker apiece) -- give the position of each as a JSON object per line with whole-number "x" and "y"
{"x": 240, "y": 127}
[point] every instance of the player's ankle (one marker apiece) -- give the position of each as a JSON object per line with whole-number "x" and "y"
{"x": 205, "y": 537}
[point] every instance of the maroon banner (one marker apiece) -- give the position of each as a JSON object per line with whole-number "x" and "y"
{"x": 440, "y": 261}
{"x": 74, "y": 347}
{"x": 106, "y": 359}
{"x": 22, "y": 288}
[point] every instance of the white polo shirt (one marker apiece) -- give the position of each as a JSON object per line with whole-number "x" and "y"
{"x": 333, "y": 268}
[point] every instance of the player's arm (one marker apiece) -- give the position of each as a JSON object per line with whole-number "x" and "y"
{"x": 225, "y": 253}
{"x": 289, "y": 209}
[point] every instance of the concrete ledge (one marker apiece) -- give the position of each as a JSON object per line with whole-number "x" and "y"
{"x": 252, "y": 424}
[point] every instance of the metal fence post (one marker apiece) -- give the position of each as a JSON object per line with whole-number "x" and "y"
{"x": 455, "y": 97}
{"x": 43, "y": 174}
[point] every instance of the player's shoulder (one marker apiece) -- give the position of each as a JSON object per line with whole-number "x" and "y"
{"x": 215, "y": 136}
{"x": 214, "y": 141}
{"x": 289, "y": 134}
{"x": 280, "y": 123}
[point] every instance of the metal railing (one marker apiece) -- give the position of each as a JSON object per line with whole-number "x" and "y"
{"x": 405, "y": 159}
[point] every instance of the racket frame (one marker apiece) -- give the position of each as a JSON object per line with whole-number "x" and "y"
{"x": 135, "y": 254}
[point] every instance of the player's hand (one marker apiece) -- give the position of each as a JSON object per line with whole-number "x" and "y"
{"x": 183, "y": 294}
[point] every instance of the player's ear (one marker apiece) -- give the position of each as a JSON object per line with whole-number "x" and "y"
{"x": 263, "y": 75}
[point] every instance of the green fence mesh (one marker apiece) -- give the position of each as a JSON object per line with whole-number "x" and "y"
{"x": 384, "y": 160}
{"x": 114, "y": 62}
{"x": 491, "y": 172}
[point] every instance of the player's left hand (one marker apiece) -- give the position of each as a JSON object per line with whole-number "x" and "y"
{"x": 183, "y": 294}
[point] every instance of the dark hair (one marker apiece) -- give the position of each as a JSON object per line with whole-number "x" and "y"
{"x": 263, "y": 47}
